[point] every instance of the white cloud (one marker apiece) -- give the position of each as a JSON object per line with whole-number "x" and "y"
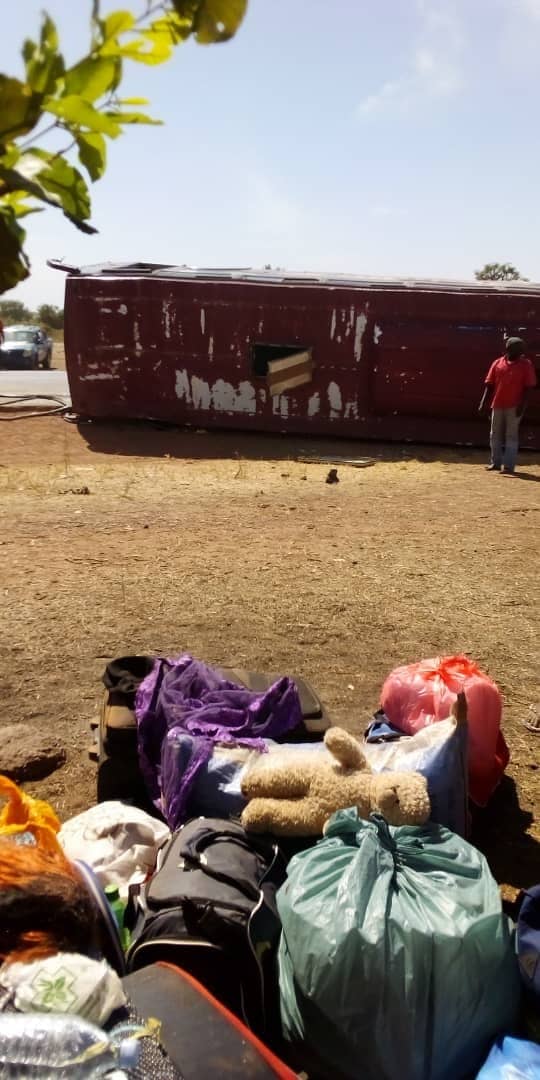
{"x": 439, "y": 76}
{"x": 517, "y": 42}
{"x": 435, "y": 70}
{"x": 531, "y": 8}
{"x": 389, "y": 92}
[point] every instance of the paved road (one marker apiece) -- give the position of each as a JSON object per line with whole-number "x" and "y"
{"x": 34, "y": 383}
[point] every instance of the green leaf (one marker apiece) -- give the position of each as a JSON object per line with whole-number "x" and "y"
{"x": 186, "y": 11}
{"x": 62, "y": 180}
{"x": 75, "y": 112}
{"x": 49, "y": 34}
{"x": 175, "y": 27}
{"x": 154, "y": 43}
{"x": 14, "y": 263}
{"x": 133, "y": 101}
{"x": 51, "y": 179}
{"x": 213, "y": 20}
{"x": 28, "y": 49}
{"x": 28, "y": 165}
{"x": 133, "y": 117}
{"x": 19, "y": 206}
{"x": 92, "y": 77}
{"x": 92, "y": 153}
{"x": 43, "y": 72}
{"x": 11, "y": 156}
{"x": 149, "y": 48}
{"x": 20, "y": 108}
{"x": 116, "y": 23}
{"x": 44, "y": 64}
{"x": 20, "y": 181}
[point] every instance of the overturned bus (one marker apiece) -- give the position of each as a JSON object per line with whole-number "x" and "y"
{"x": 300, "y": 353}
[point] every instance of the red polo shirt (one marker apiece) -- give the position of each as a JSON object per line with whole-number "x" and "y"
{"x": 509, "y": 379}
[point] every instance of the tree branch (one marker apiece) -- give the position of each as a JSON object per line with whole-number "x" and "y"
{"x": 38, "y": 135}
{"x": 65, "y": 150}
{"x": 151, "y": 9}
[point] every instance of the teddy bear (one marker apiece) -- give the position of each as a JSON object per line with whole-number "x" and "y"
{"x": 295, "y": 794}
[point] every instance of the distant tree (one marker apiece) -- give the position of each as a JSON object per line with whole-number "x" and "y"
{"x": 498, "y": 272}
{"x": 14, "y": 311}
{"x": 51, "y": 316}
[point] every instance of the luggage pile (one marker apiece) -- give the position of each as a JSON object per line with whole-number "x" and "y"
{"x": 309, "y": 895}
{"x": 382, "y": 948}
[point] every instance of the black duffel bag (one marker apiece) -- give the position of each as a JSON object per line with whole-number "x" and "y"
{"x": 210, "y": 909}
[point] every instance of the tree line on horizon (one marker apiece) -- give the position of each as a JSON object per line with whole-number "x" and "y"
{"x": 14, "y": 311}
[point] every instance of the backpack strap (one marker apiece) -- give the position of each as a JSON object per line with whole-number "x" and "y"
{"x": 201, "y": 1037}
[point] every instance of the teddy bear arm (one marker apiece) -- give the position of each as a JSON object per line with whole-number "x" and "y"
{"x": 346, "y": 749}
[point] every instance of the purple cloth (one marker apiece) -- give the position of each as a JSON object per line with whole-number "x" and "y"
{"x": 185, "y": 696}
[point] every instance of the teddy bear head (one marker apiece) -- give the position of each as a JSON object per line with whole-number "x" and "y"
{"x": 400, "y": 797}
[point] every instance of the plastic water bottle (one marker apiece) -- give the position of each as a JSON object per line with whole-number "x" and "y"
{"x": 48, "y": 1046}
{"x": 118, "y": 907}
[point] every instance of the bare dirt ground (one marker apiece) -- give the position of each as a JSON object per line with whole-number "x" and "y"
{"x": 226, "y": 546}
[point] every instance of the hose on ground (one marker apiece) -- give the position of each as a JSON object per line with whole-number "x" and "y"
{"x": 8, "y": 400}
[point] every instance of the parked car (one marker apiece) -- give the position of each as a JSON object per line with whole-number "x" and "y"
{"x": 25, "y": 347}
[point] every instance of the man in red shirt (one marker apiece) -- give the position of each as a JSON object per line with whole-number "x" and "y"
{"x": 510, "y": 380}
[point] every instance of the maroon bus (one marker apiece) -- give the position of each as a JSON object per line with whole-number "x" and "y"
{"x": 316, "y": 354}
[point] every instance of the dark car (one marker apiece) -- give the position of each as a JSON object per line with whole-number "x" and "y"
{"x": 25, "y": 347}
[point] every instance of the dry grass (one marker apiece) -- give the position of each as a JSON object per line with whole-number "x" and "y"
{"x": 261, "y": 562}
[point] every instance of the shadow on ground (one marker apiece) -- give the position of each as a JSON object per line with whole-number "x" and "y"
{"x": 527, "y": 476}
{"x": 149, "y": 439}
{"x": 500, "y": 831}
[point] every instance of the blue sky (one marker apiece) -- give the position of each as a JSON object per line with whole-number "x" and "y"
{"x": 370, "y": 136}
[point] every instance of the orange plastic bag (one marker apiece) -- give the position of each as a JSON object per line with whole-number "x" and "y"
{"x": 419, "y": 694}
{"x": 22, "y": 813}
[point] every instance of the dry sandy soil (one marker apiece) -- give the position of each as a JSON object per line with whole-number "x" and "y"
{"x": 227, "y": 546}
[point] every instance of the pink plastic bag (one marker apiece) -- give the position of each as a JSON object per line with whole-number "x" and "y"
{"x": 419, "y": 694}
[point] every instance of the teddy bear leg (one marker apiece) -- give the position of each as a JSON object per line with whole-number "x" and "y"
{"x": 285, "y": 817}
{"x": 281, "y": 781}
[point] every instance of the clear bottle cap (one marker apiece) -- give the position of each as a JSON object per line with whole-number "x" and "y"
{"x": 128, "y": 1053}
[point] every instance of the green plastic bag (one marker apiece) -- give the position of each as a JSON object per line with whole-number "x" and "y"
{"x": 396, "y": 960}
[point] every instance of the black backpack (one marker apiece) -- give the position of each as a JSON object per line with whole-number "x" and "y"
{"x": 210, "y": 909}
